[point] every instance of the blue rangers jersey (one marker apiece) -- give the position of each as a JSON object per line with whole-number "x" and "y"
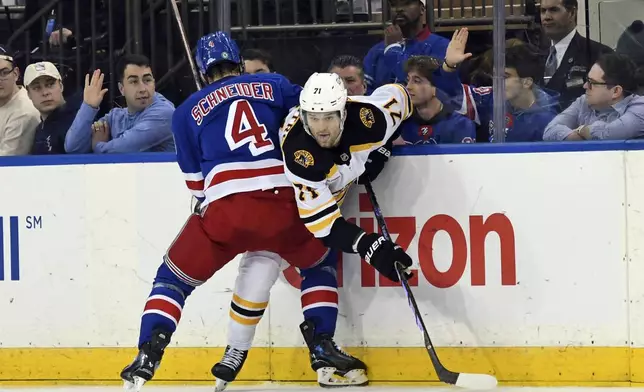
{"x": 521, "y": 125}
{"x": 477, "y": 104}
{"x": 227, "y": 138}
{"x": 444, "y": 128}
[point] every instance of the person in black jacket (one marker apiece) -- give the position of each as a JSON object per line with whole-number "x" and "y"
{"x": 570, "y": 55}
{"x": 45, "y": 89}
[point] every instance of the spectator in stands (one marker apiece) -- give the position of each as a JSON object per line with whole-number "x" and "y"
{"x": 406, "y": 37}
{"x": 45, "y": 88}
{"x": 351, "y": 71}
{"x": 432, "y": 122}
{"x": 18, "y": 116}
{"x": 609, "y": 110}
{"x": 631, "y": 42}
{"x": 479, "y": 71}
{"x": 143, "y": 126}
{"x": 528, "y": 108}
{"x": 257, "y": 61}
{"x": 570, "y": 55}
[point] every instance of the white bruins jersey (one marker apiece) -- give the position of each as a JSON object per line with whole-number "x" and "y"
{"x": 321, "y": 177}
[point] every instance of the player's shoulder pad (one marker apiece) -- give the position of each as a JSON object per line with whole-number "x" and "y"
{"x": 194, "y": 98}
{"x": 365, "y": 122}
{"x": 302, "y": 154}
{"x": 267, "y": 77}
{"x": 390, "y": 98}
{"x": 394, "y": 92}
{"x": 186, "y": 106}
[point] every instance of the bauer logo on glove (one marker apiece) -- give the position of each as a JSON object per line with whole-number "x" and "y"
{"x": 373, "y": 248}
{"x": 383, "y": 255}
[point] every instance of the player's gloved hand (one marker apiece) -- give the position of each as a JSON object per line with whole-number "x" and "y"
{"x": 375, "y": 163}
{"x": 383, "y": 254}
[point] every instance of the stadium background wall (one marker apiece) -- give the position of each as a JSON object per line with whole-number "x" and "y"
{"x": 535, "y": 274}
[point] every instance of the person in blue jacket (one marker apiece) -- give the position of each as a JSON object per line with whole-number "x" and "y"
{"x": 432, "y": 121}
{"x": 143, "y": 126}
{"x": 529, "y": 108}
{"x": 407, "y": 36}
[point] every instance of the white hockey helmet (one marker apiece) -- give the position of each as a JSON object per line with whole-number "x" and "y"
{"x": 324, "y": 93}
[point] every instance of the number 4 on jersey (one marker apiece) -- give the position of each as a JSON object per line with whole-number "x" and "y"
{"x": 242, "y": 127}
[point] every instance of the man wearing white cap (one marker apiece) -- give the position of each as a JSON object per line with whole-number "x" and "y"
{"x": 45, "y": 89}
{"x": 407, "y": 36}
{"x": 18, "y": 116}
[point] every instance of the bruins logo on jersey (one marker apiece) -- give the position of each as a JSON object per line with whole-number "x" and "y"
{"x": 304, "y": 158}
{"x": 367, "y": 117}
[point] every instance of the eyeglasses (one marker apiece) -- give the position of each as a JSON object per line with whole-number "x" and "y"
{"x": 5, "y": 72}
{"x": 592, "y": 83}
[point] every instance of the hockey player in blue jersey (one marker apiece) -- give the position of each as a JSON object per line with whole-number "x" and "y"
{"x": 228, "y": 150}
{"x": 433, "y": 122}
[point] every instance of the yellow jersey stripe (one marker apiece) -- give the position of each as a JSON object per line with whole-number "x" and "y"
{"x": 363, "y": 147}
{"x": 287, "y": 130}
{"x": 339, "y": 198}
{"x": 306, "y": 213}
{"x": 409, "y": 108}
{"x": 324, "y": 224}
{"x": 333, "y": 171}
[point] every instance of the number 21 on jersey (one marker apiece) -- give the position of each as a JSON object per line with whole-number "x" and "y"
{"x": 243, "y": 127}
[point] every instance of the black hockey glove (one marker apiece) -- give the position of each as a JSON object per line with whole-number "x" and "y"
{"x": 383, "y": 255}
{"x": 375, "y": 163}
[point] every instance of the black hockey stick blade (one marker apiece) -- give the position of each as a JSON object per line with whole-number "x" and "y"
{"x": 463, "y": 380}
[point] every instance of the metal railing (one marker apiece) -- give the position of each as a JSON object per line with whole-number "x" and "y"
{"x": 104, "y": 29}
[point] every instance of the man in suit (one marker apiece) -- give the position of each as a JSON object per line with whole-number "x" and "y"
{"x": 570, "y": 55}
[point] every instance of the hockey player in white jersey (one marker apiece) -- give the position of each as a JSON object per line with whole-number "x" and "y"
{"x": 319, "y": 285}
{"x": 327, "y": 143}
{"x": 322, "y": 159}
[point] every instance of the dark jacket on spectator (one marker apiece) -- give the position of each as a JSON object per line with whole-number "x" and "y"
{"x": 568, "y": 81}
{"x": 50, "y": 134}
{"x": 528, "y": 125}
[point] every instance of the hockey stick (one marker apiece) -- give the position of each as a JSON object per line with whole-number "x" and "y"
{"x": 186, "y": 46}
{"x": 195, "y": 204}
{"x": 463, "y": 380}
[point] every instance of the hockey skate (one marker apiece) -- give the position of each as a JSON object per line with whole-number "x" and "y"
{"x": 142, "y": 369}
{"x": 226, "y": 370}
{"x": 335, "y": 368}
